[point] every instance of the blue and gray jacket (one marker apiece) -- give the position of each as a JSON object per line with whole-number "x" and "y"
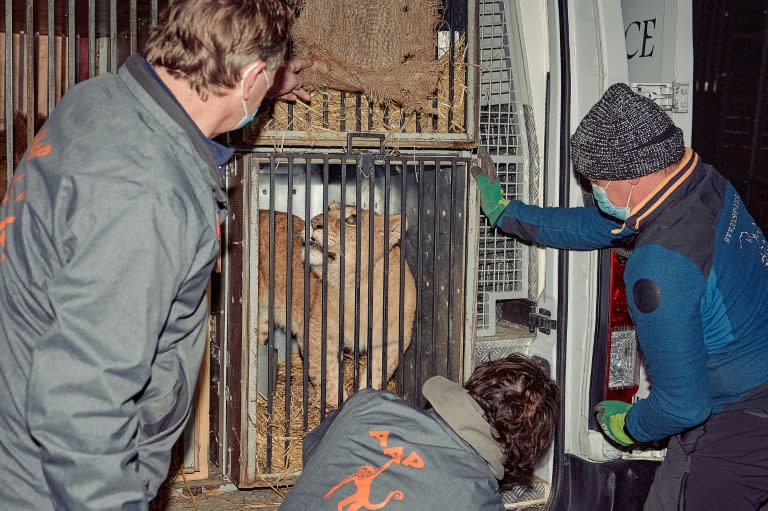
{"x": 108, "y": 235}
{"x": 697, "y": 288}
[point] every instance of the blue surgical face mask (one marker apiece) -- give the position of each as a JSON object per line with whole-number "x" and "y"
{"x": 248, "y": 118}
{"x": 606, "y": 206}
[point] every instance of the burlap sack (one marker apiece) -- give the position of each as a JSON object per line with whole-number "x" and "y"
{"x": 382, "y": 48}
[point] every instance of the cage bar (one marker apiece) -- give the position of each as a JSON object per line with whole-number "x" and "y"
{"x": 8, "y": 80}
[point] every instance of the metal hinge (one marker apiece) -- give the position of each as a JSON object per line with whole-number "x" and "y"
{"x": 541, "y": 321}
{"x": 671, "y": 97}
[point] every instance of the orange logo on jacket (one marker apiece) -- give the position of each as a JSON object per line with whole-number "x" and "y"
{"x": 9, "y": 219}
{"x": 39, "y": 149}
{"x": 364, "y": 476}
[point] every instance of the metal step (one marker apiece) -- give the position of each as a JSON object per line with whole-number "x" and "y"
{"x": 527, "y": 498}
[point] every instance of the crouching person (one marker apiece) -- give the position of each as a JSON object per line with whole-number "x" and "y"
{"x": 475, "y": 440}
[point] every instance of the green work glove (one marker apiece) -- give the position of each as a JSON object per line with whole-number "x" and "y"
{"x": 492, "y": 201}
{"x": 611, "y": 415}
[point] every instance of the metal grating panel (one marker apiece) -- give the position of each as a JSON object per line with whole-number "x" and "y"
{"x": 502, "y": 265}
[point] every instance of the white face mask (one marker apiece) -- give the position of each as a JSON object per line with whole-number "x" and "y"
{"x": 248, "y": 118}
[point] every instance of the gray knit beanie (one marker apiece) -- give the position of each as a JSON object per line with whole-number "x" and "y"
{"x": 623, "y": 136}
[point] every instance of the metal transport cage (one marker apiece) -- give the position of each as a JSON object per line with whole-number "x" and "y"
{"x": 425, "y": 194}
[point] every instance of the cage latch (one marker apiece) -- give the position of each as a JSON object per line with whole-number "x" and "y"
{"x": 351, "y": 149}
{"x": 541, "y": 320}
{"x": 366, "y": 167}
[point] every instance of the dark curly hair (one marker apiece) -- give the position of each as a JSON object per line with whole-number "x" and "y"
{"x": 521, "y": 403}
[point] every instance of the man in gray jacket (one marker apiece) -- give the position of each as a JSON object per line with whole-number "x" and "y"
{"x": 377, "y": 449}
{"x": 108, "y": 234}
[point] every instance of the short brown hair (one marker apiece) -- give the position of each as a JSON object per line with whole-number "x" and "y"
{"x": 207, "y": 42}
{"x": 521, "y": 403}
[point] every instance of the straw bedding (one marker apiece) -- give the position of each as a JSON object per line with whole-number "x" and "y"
{"x": 332, "y": 112}
{"x": 286, "y": 432}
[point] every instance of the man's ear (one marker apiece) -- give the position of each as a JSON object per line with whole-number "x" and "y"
{"x": 251, "y": 71}
{"x": 634, "y": 181}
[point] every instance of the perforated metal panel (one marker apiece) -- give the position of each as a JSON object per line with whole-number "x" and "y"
{"x": 503, "y": 263}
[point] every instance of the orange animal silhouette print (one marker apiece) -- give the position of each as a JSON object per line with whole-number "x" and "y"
{"x": 363, "y": 478}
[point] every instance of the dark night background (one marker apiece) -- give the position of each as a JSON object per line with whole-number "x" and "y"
{"x": 730, "y": 95}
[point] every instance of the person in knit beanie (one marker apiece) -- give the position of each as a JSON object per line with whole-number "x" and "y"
{"x": 697, "y": 289}
{"x": 109, "y": 231}
{"x": 624, "y": 136}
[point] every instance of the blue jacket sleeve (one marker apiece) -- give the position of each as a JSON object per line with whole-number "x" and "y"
{"x": 110, "y": 304}
{"x": 664, "y": 291}
{"x": 581, "y": 228}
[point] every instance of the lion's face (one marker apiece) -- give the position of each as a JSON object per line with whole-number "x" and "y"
{"x": 357, "y": 233}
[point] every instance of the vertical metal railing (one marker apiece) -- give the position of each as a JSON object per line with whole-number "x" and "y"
{"x": 46, "y": 52}
{"x": 324, "y": 300}
{"x": 289, "y": 237}
{"x": 153, "y": 12}
{"x": 8, "y": 72}
{"x": 113, "y": 36}
{"x": 133, "y": 40}
{"x": 342, "y": 276}
{"x": 385, "y": 280}
{"x": 419, "y": 270}
{"x": 305, "y": 347}
{"x": 71, "y": 45}
{"x": 271, "y": 304}
{"x": 28, "y": 70}
{"x": 51, "y": 58}
{"x": 91, "y": 38}
{"x": 401, "y": 302}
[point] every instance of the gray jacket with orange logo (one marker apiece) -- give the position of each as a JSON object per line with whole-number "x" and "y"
{"x": 379, "y": 452}
{"x": 108, "y": 238}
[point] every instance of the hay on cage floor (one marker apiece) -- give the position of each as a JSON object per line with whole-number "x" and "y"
{"x": 335, "y": 112}
{"x": 285, "y": 433}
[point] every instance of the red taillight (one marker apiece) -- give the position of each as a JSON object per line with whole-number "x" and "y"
{"x": 619, "y": 310}
{"x": 621, "y": 377}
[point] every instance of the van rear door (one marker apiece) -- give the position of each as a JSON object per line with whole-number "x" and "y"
{"x": 647, "y": 44}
